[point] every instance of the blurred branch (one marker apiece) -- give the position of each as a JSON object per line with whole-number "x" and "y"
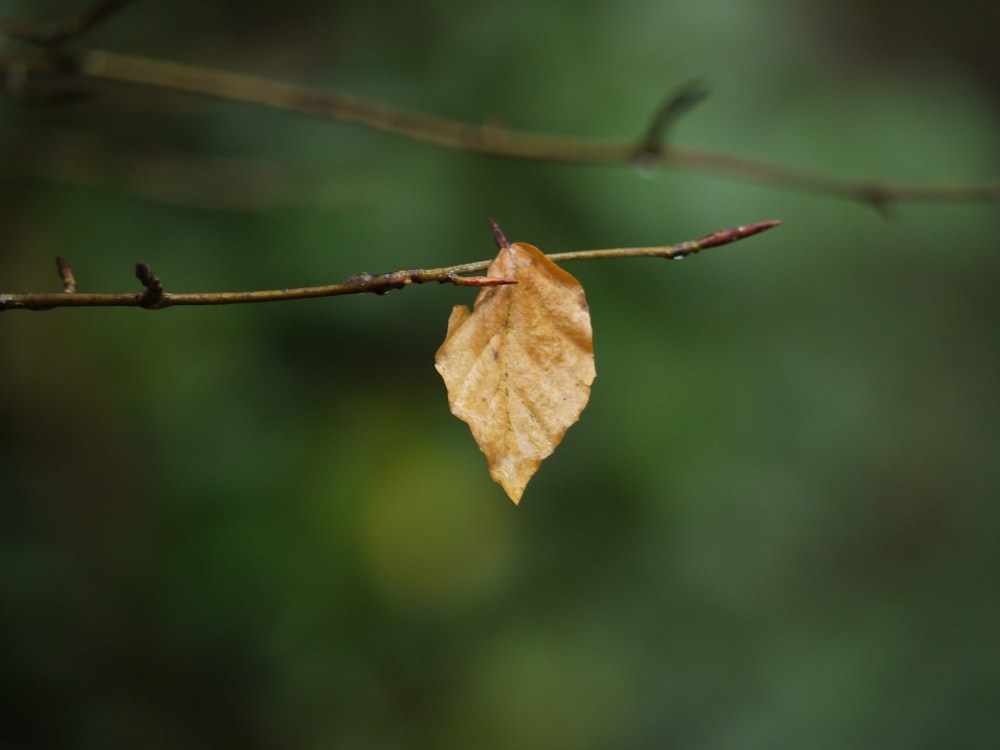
{"x": 156, "y": 298}
{"x": 647, "y": 151}
{"x": 164, "y": 175}
{"x": 52, "y": 34}
{"x": 497, "y": 141}
{"x": 674, "y": 108}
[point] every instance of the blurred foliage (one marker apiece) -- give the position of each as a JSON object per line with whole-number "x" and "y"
{"x": 774, "y": 526}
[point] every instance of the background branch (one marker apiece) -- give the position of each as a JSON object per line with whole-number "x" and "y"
{"x": 502, "y": 142}
{"x": 51, "y": 34}
{"x": 155, "y": 298}
{"x": 486, "y": 139}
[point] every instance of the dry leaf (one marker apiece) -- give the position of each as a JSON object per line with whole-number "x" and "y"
{"x": 518, "y": 368}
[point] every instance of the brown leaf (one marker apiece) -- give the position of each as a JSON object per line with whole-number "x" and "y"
{"x": 518, "y": 368}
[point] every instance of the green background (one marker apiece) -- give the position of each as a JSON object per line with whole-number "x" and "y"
{"x": 775, "y": 526}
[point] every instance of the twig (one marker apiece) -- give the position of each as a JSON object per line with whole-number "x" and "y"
{"x": 490, "y": 140}
{"x": 676, "y": 106}
{"x": 495, "y": 141}
{"x": 52, "y": 34}
{"x": 155, "y": 298}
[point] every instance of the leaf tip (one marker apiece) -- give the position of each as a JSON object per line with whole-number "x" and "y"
{"x": 512, "y": 473}
{"x": 514, "y": 487}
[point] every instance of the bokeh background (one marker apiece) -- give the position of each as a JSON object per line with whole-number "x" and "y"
{"x": 775, "y": 526}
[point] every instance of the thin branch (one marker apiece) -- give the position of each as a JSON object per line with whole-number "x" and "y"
{"x": 676, "y": 106}
{"x": 490, "y": 140}
{"x": 53, "y": 34}
{"x": 155, "y": 298}
{"x": 497, "y": 141}
{"x": 161, "y": 174}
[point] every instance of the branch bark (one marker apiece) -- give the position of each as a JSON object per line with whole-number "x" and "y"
{"x": 156, "y": 298}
